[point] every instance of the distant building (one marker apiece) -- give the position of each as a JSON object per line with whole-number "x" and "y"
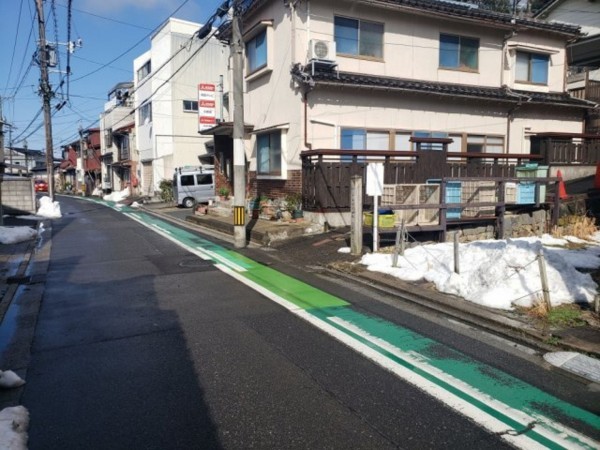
{"x": 166, "y": 102}
{"x": 118, "y": 165}
{"x": 22, "y": 160}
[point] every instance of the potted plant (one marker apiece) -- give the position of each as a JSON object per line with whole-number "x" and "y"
{"x": 293, "y": 202}
{"x": 224, "y": 192}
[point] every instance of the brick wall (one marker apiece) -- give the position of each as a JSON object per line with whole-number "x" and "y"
{"x": 18, "y": 195}
{"x": 274, "y": 188}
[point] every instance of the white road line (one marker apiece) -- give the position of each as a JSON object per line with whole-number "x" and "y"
{"x": 465, "y": 408}
{"x": 543, "y": 425}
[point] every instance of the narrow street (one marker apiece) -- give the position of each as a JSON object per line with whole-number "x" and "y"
{"x": 155, "y": 337}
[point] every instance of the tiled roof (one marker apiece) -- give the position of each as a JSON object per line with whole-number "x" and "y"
{"x": 455, "y": 10}
{"x": 445, "y": 9}
{"x": 455, "y": 90}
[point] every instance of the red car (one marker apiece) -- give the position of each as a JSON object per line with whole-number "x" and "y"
{"x": 41, "y": 186}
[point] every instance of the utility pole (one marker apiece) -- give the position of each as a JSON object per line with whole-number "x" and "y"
{"x": 2, "y": 164}
{"x": 46, "y": 93}
{"x": 239, "y": 155}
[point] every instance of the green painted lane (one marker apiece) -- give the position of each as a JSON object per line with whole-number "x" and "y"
{"x": 526, "y": 411}
{"x": 418, "y": 353}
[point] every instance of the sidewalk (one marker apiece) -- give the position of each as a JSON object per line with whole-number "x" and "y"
{"x": 304, "y": 246}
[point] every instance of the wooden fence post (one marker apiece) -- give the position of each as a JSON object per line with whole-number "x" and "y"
{"x": 356, "y": 213}
{"x": 544, "y": 278}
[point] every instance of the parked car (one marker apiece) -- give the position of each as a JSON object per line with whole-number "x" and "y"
{"x": 40, "y": 186}
{"x": 193, "y": 185}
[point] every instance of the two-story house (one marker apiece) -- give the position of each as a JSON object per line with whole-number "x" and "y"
{"x": 116, "y": 137}
{"x": 363, "y": 75}
{"x": 169, "y": 112}
{"x": 583, "y": 79}
{"x": 24, "y": 161}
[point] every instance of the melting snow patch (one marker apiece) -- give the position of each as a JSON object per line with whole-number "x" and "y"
{"x": 14, "y": 235}
{"x": 48, "y": 208}
{"x": 14, "y": 422}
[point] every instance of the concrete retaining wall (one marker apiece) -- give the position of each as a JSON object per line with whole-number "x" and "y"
{"x": 18, "y": 195}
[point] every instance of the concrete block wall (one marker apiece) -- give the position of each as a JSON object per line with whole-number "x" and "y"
{"x": 18, "y": 195}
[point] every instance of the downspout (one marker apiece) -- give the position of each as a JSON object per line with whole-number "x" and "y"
{"x": 510, "y": 114}
{"x": 307, "y": 145}
{"x": 512, "y": 34}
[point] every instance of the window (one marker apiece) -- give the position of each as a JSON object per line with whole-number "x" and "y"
{"x": 459, "y": 52}
{"x": 203, "y": 178}
{"x": 532, "y": 68}
{"x": 124, "y": 147}
{"x": 187, "y": 180}
{"x": 268, "y": 155}
{"x": 190, "y": 106}
{"x": 358, "y": 37}
{"x": 430, "y": 134}
{"x": 361, "y": 139}
{"x": 256, "y": 51}
{"x": 145, "y": 113}
{"x": 402, "y": 142}
{"x": 485, "y": 144}
{"x": 144, "y": 70}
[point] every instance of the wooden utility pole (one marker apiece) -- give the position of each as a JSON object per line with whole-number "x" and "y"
{"x": 2, "y": 164}
{"x": 356, "y": 212}
{"x": 46, "y": 93}
{"x": 239, "y": 155}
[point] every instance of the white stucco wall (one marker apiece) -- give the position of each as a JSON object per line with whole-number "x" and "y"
{"x": 178, "y": 66}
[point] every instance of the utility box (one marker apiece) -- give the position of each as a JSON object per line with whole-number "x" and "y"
{"x": 453, "y": 195}
{"x": 526, "y": 189}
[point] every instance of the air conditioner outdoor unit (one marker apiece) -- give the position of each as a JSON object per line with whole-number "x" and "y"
{"x": 321, "y": 50}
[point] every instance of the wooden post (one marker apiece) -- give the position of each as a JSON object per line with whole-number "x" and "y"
{"x": 501, "y": 209}
{"x": 456, "y": 254}
{"x": 544, "y": 278}
{"x": 556, "y": 206}
{"x": 356, "y": 213}
{"x": 403, "y": 241}
{"x": 399, "y": 247}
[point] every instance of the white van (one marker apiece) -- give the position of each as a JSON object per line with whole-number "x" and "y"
{"x": 193, "y": 185}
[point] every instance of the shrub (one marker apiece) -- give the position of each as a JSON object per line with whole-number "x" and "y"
{"x": 166, "y": 190}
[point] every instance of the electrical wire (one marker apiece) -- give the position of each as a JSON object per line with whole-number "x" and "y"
{"x": 12, "y": 58}
{"x": 130, "y": 48}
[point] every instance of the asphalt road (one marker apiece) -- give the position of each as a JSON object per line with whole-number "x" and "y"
{"x": 140, "y": 344}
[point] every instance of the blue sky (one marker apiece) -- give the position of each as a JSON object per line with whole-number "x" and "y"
{"x": 107, "y": 28}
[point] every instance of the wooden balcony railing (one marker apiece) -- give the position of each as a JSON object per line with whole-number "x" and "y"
{"x": 327, "y": 173}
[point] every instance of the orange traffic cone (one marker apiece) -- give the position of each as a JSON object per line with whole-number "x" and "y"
{"x": 562, "y": 192}
{"x": 597, "y": 179}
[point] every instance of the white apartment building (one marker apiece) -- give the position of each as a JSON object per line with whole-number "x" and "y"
{"x": 167, "y": 111}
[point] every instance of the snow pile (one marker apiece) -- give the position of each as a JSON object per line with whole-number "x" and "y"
{"x": 9, "y": 380}
{"x": 48, "y": 208}
{"x": 97, "y": 192}
{"x": 14, "y": 422}
{"x": 117, "y": 196}
{"x": 499, "y": 273}
{"x": 14, "y": 235}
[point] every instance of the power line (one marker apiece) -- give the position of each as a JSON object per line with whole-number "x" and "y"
{"x": 12, "y": 58}
{"x": 106, "y": 18}
{"x": 130, "y": 48}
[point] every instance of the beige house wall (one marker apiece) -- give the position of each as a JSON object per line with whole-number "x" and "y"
{"x": 411, "y": 51}
{"x": 271, "y": 100}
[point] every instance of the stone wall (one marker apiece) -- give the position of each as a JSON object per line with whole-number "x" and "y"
{"x": 533, "y": 223}
{"x": 18, "y": 196}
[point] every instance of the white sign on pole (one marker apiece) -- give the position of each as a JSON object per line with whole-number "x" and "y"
{"x": 374, "y": 188}
{"x": 374, "y": 179}
{"x": 207, "y": 117}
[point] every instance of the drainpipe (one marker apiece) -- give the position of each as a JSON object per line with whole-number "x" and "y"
{"x": 306, "y": 143}
{"x": 512, "y": 34}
